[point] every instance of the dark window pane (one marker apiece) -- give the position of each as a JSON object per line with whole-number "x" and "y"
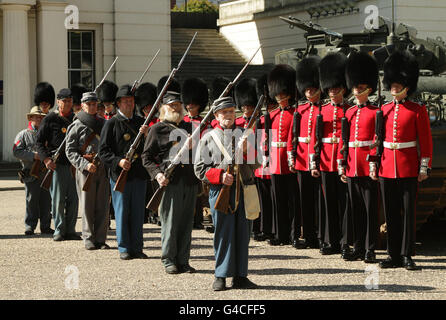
{"x": 86, "y": 60}
{"x": 87, "y": 79}
{"x": 75, "y": 77}
{"x": 75, "y": 60}
{"x": 75, "y": 40}
{"x": 87, "y": 41}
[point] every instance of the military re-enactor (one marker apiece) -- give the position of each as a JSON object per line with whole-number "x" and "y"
{"x": 81, "y": 147}
{"x": 44, "y": 96}
{"x": 63, "y": 187}
{"x": 406, "y": 158}
{"x": 117, "y": 135}
{"x": 38, "y": 200}
{"x": 177, "y": 205}
{"x": 232, "y": 230}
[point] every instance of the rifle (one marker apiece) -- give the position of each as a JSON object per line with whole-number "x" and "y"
{"x": 379, "y": 131}
{"x": 46, "y": 182}
{"x": 345, "y": 135}
{"x": 137, "y": 82}
{"x": 35, "y": 169}
{"x": 157, "y": 196}
{"x": 89, "y": 179}
{"x": 297, "y": 117}
{"x": 319, "y": 133}
{"x": 122, "y": 179}
{"x": 223, "y": 200}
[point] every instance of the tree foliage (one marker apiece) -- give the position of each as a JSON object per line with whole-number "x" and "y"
{"x": 202, "y": 6}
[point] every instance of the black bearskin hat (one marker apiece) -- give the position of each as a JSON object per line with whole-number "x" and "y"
{"x": 246, "y": 93}
{"x": 401, "y": 67}
{"x": 218, "y": 85}
{"x": 173, "y": 86}
{"x": 44, "y": 92}
{"x": 78, "y": 90}
{"x": 282, "y": 79}
{"x": 195, "y": 91}
{"x": 107, "y": 91}
{"x": 361, "y": 68}
{"x": 307, "y": 73}
{"x": 332, "y": 72}
{"x": 145, "y": 95}
{"x": 262, "y": 86}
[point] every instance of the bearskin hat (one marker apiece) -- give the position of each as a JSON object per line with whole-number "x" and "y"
{"x": 107, "y": 91}
{"x": 145, "y": 95}
{"x": 361, "y": 68}
{"x": 173, "y": 86}
{"x": 307, "y": 73}
{"x": 218, "y": 85}
{"x": 195, "y": 91}
{"x": 401, "y": 67}
{"x": 332, "y": 72}
{"x": 246, "y": 93}
{"x": 44, "y": 92}
{"x": 282, "y": 79}
{"x": 262, "y": 85}
{"x": 124, "y": 91}
{"x": 78, "y": 90}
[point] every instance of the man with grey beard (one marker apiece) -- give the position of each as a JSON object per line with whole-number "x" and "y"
{"x": 177, "y": 205}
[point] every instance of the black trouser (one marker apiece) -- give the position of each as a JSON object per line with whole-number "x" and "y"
{"x": 336, "y": 209}
{"x": 363, "y": 193}
{"x": 266, "y": 206}
{"x": 400, "y": 194}
{"x": 308, "y": 194}
{"x": 286, "y": 207}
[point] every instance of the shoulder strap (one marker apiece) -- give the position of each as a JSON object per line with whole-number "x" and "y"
{"x": 87, "y": 142}
{"x": 220, "y": 146}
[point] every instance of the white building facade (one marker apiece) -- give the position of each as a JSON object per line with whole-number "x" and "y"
{"x": 67, "y": 42}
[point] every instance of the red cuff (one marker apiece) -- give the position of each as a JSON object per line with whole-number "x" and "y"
{"x": 214, "y": 175}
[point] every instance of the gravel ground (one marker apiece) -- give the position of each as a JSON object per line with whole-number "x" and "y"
{"x": 35, "y": 267}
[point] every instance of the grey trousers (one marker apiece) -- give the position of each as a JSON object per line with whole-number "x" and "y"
{"x": 94, "y": 205}
{"x": 177, "y": 217}
{"x": 38, "y": 206}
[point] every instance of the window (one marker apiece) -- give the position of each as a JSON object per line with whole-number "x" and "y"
{"x": 81, "y": 55}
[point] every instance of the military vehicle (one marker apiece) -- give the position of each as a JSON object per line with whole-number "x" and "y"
{"x": 431, "y": 91}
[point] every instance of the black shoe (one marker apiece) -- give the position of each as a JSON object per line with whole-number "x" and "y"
{"x": 260, "y": 237}
{"x": 47, "y": 231}
{"x": 198, "y": 226}
{"x": 58, "y": 237}
{"x": 345, "y": 251}
{"x": 354, "y": 255}
{"x": 139, "y": 255}
{"x": 172, "y": 269}
{"x": 73, "y": 236}
{"x": 370, "y": 257}
{"x": 409, "y": 264}
{"x": 102, "y": 246}
{"x": 125, "y": 256}
{"x": 391, "y": 262}
{"x": 243, "y": 283}
{"x": 219, "y": 284}
{"x": 278, "y": 242}
{"x": 29, "y": 232}
{"x": 210, "y": 229}
{"x": 328, "y": 250}
{"x": 304, "y": 244}
{"x": 90, "y": 245}
{"x": 186, "y": 269}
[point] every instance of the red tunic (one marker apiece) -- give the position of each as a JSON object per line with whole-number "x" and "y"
{"x": 305, "y": 146}
{"x": 281, "y": 121}
{"x": 362, "y": 130}
{"x": 405, "y": 122}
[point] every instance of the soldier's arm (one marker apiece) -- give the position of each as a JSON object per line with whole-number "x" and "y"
{"x": 72, "y": 148}
{"x": 204, "y": 168}
{"x": 151, "y": 148}
{"x": 425, "y": 140}
{"x": 42, "y": 137}
{"x": 106, "y": 153}
{"x": 19, "y": 149}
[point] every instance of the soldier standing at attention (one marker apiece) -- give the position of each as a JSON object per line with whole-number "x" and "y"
{"x": 44, "y": 96}
{"x": 63, "y": 187}
{"x": 406, "y": 128}
{"x": 38, "y": 200}
{"x": 81, "y": 147}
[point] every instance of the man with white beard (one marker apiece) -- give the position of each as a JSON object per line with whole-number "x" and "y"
{"x": 177, "y": 205}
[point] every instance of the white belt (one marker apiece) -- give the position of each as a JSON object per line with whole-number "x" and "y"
{"x": 304, "y": 139}
{"x": 333, "y": 139}
{"x": 399, "y": 145}
{"x": 279, "y": 144}
{"x": 359, "y": 144}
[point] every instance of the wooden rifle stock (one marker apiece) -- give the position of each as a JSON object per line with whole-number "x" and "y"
{"x": 122, "y": 180}
{"x": 46, "y": 181}
{"x": 224, "y": 197}
{"x": 155, "y": 201}
{"x": 35, "y": 169}
{"x": 90, "y": 175}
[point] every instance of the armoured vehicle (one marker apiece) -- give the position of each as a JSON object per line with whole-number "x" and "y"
{"x": 431, "y": 91}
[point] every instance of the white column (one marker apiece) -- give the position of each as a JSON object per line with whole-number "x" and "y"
{"x": 52, "y": 47}
{"x": 16, "y": 74}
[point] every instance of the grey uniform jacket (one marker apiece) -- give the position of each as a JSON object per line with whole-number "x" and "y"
{"x": 77, "y": 135}
{"x": 209, "y": 156}
{"x": 24, "y": 148}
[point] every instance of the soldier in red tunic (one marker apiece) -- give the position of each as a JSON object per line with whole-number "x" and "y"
{"x": 301, "y": 145}
{"x": 406, "y": 129}
{"x": 357, "y": 138}
{"x": 282, "y": 86}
